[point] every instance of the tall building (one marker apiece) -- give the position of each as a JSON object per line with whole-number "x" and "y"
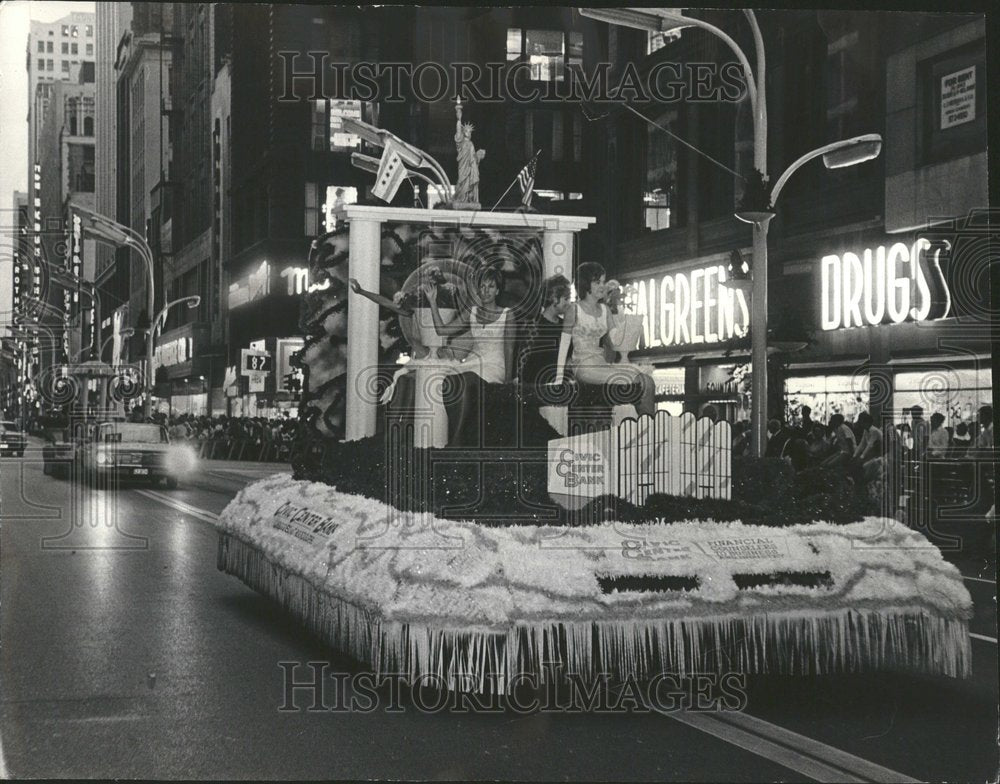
{"x": 66, "y": 156}
{"x": 142, "y": 71}
{"x": 56, "y": 52}
{"x": 15, "y": 354}
{"x": 112, "y": 20}
{"x": 190, "y": 360}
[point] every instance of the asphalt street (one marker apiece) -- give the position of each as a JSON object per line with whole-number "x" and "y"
{"x": 125, "y": 653}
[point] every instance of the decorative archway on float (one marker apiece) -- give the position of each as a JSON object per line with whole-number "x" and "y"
{"x": 558, "y": 238}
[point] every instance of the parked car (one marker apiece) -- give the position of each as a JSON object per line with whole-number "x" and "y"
{"x": 12, "y": 440}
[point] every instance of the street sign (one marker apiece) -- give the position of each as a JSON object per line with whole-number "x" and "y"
{"x": 255, "y": 362}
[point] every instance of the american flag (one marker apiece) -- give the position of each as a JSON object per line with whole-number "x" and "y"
{"x": 526, "y": 179}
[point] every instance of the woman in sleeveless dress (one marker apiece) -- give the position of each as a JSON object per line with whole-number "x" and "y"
{"x": 623, "y": 339}
{"x": 585, "y": 326}
{"x": 490, "y": 361}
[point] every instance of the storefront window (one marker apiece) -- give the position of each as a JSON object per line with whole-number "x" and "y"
{"x": 955, "y": 393}
{"x": 826, "y": 396}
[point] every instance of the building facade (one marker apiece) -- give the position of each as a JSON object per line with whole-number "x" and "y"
{"x": 867, "y": 308}
{"x": 111, "y": 275}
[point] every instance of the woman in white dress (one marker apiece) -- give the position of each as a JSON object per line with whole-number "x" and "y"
{"x": 489, "y": 361}
{"x": 623, "y": 339}
{"x": 585, "y": 325}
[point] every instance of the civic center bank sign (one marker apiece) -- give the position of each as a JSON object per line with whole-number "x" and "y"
{"x": 883, "y": 286}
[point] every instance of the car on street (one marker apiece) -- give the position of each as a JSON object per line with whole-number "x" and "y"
{"x": 125, "y": 450}
{"x": 12, "y": 440}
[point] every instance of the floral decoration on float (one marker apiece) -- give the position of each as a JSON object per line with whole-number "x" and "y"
{"x": 476, "y": 605}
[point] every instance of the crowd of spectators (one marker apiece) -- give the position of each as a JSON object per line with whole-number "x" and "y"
{"x": 233, "y": 438}
{"x": 878, "y": 456}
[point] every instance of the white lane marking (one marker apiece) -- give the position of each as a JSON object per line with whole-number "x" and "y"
{"x": 202, "y": 514}
{"x": 858, "y": 766}
{"x": 762, "y": 747}
{"x": 4, "y": 774}
{"x": 983, "y": 637}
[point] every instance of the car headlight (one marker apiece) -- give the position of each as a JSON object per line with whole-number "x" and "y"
{"x": 181, "y": 460}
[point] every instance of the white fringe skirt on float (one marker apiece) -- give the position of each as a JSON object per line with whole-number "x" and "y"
{"x": 811, "y": 641}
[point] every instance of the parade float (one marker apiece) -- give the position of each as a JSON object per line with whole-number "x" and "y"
{"x": 627, "y": 547}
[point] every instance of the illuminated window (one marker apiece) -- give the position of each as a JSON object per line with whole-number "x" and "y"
{"x": 826, "y": 396}
{"x": 90, "y": 31}
{"x": 513, "y": 44}
{"x": 548, "y": 52}
{"x": 339, "y": 111}
{"x": 957, "y": 394}
{"x": 328, "y": 125}
{"x": 337, "y": 197}
{"x": 65, "y": 29}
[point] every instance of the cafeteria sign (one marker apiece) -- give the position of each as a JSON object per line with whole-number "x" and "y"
{"x": 958, "y": 97}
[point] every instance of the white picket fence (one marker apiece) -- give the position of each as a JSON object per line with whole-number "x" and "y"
{"x": 674, "y": 455}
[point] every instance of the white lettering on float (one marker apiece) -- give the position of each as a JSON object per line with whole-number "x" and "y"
{"x": 691, "y": 307}
{"x": 882, "y": 284}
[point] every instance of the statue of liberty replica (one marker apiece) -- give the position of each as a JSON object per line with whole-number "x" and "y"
{"x": 467, "y": 187}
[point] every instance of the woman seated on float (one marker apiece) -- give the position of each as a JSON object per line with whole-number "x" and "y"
{"x": 490, "y": 359}
{"x": 585, "y": 326}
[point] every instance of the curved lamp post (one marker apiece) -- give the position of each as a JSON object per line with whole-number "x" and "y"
{"x": 103, "y": 227}
{"x": 839, "y": 154}
{"x": 192, "y": 302}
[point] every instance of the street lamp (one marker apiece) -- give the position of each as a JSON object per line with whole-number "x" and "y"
{"x": 192, "y": 302}
{"x": 112, "y": 231}
{"x": 839, "y": 154}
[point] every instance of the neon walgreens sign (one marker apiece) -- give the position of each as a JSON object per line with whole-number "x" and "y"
{"x": 883, "y": 286}
{"x": 689, "y": 307}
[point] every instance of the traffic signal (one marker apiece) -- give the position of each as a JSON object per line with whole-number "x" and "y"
{"x": 291, "y": 382}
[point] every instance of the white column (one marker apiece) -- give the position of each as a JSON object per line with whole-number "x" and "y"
{"x": 362, "y": 329}
{"x": 557, "y": 250}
